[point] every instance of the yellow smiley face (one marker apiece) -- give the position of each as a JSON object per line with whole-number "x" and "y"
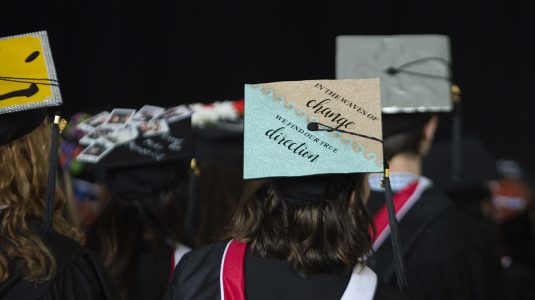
{"x": 27, "y": 75}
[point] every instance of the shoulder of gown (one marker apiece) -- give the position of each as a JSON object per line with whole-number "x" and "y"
{"x": 84, "y": 278}
{"x": 447, "y": 254}
{"x": 79, "y": 275}
{"x": 197, "y": 274}
{"x": 383, "y": 291}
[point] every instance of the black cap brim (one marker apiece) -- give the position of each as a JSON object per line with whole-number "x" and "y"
{"x": 17, "y": 124}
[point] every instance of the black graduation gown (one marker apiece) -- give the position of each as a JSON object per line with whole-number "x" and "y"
{"x": 152, "y": 272}
{"x": 446, "y": 254}
{"x": 79, "y": 276}
{"x": 197, "y": 276}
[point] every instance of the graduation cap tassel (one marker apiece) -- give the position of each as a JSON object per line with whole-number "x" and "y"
{"x": 393, "y": 222}
{"x": 456, "y": 134}
{"x": 189, "y": 226}
{"x": 52, "y": 171}
{"x": 40, "y": 81}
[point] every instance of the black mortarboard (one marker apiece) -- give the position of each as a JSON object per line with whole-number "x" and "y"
{"x": 478, "y": 165}
{"x": 223, "y": 141}
{"x": 218, "y": 128}
{"x": 28, "y": 86}
{"x": 17, "y": 124}
{"x": 134, "y": 162}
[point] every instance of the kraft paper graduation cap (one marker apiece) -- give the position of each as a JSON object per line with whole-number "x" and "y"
{"x": 300, "y": 128}
{"x": 28, "y": 86}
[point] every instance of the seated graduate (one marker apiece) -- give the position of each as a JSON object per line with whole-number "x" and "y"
{"x": 40, "y": 257}
{"x": 301, "y": 230}
{"x": 139, "y": 232}
{"x": 447, "y": 254}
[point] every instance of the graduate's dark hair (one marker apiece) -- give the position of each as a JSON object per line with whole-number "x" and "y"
{"x": 215, "y": 206}
{"x": 127, "y": 226}
{"x": 406, "y": 142}
{"x": 23, "y": 181}
{"x": 328, "y": 237}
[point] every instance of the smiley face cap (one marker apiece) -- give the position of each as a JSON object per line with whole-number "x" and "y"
{"x": 28, "y": 84}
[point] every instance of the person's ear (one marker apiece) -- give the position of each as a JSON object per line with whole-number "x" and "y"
{"x": 430, "y": 129}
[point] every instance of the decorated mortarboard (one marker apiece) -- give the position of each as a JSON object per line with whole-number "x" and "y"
{"x": 28, "y": 86}
{"x": 414, "y": 69}
{"x": 416, "y": 79}
{"x": 129, "y": 138}
{"x": 218, "y": 128}
{"x": 226, "y": 114}
{"x": 28, "y": 76}
{"x": 137, "y": 153}
{"x": 312, "y": 127}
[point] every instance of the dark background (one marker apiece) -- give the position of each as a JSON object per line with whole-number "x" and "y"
{"x": 128, "y": 53}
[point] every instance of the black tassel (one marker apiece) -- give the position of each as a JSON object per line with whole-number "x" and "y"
{"x": 456, "y": 163}
{"x": 189, "y": 224}
{"x": 52, "y": 172}
{"x": 394, "y": 237}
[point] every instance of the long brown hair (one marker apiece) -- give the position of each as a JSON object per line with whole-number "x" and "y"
{"x": 327, "y": 237}
{"x": 23, "y": 180}
{"x": 127, "y": 227}
{"x": 219, "y": 186}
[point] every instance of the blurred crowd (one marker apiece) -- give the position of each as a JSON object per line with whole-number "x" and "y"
{"x": 128, "y": 236}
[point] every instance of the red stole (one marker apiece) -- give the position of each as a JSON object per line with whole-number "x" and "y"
{"x": 404, "y": 200}
{"x": 232, "y": 271}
